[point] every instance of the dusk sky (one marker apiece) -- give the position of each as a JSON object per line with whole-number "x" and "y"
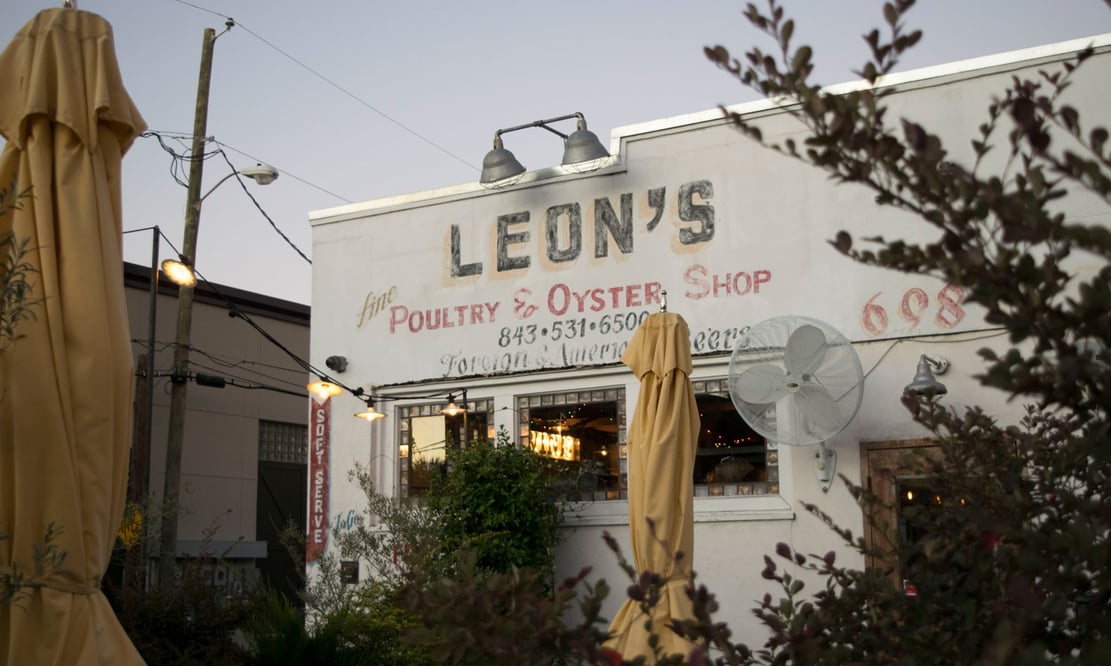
{"x": 354, "y": 100}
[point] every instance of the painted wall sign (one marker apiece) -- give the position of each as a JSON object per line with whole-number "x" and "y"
{"x": 563, "y": 237}
{"x": 561, "y": 274}
{"x": 319, "y": 478}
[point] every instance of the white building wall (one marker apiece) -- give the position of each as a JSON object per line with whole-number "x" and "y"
{"x": 380, "y": 260}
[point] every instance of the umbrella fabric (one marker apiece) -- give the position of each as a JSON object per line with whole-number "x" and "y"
{"x": 662, "y": 440}
{"x": 66, "y": 383}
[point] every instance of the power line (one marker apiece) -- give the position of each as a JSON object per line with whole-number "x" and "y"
{"x": 179, "y": 158}
{"x": 261, "y": 210}
{"x": 228, "y": 367}
{"x": 234, "y": 311}
{"x": 336, "y": 86}
{"x": 283, "y": 171}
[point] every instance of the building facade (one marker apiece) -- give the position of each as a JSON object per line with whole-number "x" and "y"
{"x": 521, "y": 297}
{"x": 243, "y": 469}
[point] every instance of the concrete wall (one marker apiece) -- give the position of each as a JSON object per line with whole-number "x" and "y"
{"x": 219, "y": 465}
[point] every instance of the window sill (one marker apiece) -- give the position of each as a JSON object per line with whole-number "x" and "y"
{"x": 740, "y": 508}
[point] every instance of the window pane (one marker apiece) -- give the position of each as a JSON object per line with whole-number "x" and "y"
{"x": 283, "y": 442}
{"x": 425, "y": 435}
{"x": 579, "y": 433}
{"x": 729, "y": 451}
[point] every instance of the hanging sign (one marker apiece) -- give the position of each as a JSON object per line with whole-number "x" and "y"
{"x": 319, "y": 423}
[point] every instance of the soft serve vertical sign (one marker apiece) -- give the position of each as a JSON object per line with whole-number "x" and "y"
{"x": 319, "y": 423}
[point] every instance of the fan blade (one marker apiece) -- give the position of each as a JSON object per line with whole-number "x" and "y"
{"x": 762, "y": 384}
{"x": 805, "y": 350}
{"x": 819, "y": 412}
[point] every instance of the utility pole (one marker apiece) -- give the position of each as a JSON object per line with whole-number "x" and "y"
{"x": 167, "y": 553}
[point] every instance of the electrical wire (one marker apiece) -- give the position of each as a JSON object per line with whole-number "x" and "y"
{"x": 174, "y": 174}
{"x": 335, "y": 85}
{"x": 250, "y": 196}
{"x": 242, "y": 383}
{"x": 283, "y": 171}
{"x": 227, "y": 371}
{"x": 247, "y": 382}
{"x": 234, "y": 311}
{"x": 177, "y": 159}
{"x": 181, "y": 138}
{"x": 244, "y": 362}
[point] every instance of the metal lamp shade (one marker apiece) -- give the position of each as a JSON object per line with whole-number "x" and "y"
{"x": 583, "y": 146}
{"x": 924, "y": 383}
{"x": 499, "y": 164}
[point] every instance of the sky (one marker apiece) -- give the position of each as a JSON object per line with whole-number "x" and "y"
{"x": 355, "y": 100}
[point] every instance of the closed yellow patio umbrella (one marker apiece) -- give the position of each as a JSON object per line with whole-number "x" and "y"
{"x": 66, "y": 379}
{"x": 663, "y": 436}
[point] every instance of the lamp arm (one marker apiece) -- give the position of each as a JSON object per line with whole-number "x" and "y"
{"x": 213, "y": 188}
{"x": 544, "y": 124}
{"x": 938, "y": 364}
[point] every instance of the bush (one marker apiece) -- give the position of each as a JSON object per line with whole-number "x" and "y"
{"x": 499, "y": 501}
{"x": 369, "y": 631}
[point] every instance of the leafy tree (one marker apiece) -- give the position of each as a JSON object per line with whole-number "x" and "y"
{"x": 1018, "y": 572}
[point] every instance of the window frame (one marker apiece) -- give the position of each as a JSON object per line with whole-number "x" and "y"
{"x": 719, "y": 387}
{"x": 523, "y": 403}
{"x": 404, "y": 431}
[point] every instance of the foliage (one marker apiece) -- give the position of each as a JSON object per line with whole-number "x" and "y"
{"x": 397, "y": 535}
{"x": 193, "y": 622}
{"x": 15, "y": 271}
{"x": 16, "y": 585}
{"x": 499, "y": 501}
{"x": 447, "y": 567}
{"x": 367, "y": 632}
{"x": 1016, "y": 571}
{"x": 509, "y": 617}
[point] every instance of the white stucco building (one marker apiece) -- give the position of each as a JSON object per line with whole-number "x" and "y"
{"x": 522, "y": 296}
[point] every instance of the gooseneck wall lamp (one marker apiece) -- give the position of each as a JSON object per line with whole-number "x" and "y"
{"x": 581, "y": 147}
{"x": 924, "y": 383}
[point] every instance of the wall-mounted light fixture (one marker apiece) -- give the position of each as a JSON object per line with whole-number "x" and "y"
{"x": 924, "y": 383}
{"x": 825, "y": 466}
{"x": 336, "y": 363}
{"x": 581, "y": 149}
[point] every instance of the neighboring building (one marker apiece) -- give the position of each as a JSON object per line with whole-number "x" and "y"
{"x": 243, "y": 471}
{"x": 523, "y": 297}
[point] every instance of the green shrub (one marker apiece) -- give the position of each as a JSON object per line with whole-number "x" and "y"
{"x": 499, "y": 501}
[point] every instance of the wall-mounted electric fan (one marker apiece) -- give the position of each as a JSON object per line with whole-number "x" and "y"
{"x": 795, "y": 380}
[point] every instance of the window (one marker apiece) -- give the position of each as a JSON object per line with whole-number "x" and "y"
{"x": 583, "y": 434}
{"x": 426, "y": 434}
{"x": 283, "y": 442}
{"x": 731, "y": 459}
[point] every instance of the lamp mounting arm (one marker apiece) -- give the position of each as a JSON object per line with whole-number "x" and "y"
{"x": 938, "y": 364}
{"x": 545, "y": 124}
